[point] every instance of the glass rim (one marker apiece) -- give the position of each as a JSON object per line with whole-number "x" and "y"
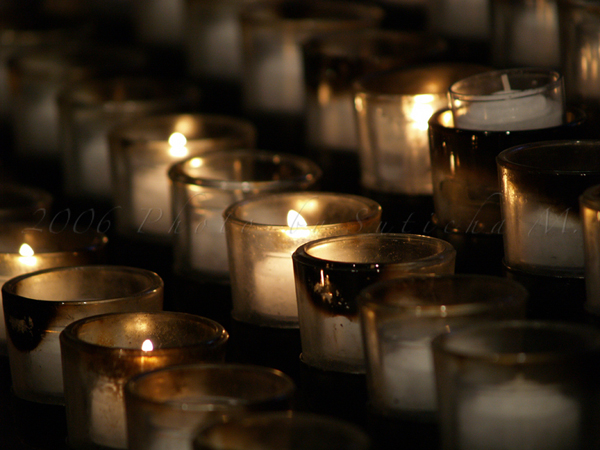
{"x": 356, "y": 434}
{"x": 302, "y": 254}
{"x": 69, "y": 336}
{"x": 370, "y": 298}
{"x": 504, "y": 158}
{"x": 555, "y": 78}
{"x": 441, "y": 120}
{"x": 287, "y": 388}
{"x": 440, "y": 343}
{"x": 312, "y": 173}
{"x": 132, "y": 131}
{"x": 230, "y": 213}
{"x": 155, "y": 283}
{"x": 402, "y": 79}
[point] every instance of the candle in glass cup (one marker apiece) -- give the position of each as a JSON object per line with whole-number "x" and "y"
{"x": 330, "y": 273}
{"x": 25, "y": 248}
{"x": 509, "y": 100}
{"x": 203, "y": 186}
{"x": 262, "y": 233}
{"x": 143, "y": 149}
{"x": 101, "y": 353}
{"x": 39, "y": 305}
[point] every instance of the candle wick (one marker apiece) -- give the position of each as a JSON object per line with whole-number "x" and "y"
{"x": 505, "y": 82}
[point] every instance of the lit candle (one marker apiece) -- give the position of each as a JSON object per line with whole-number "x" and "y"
{"x": 518, "y": 414}
{"x": 26, "y": 249}
{"x": 511, "y": 100}
{"x": 101, "y": 353}
{"x": 39, "y": 305}
{"x": 263, "y": 232}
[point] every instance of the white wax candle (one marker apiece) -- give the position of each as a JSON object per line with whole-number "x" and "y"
{"x": 107, "y": 413}
{"x": 95, "y": 165}
{"x": 535, "y": 41}
{"x": 341, "y": 339}
{"x": 278, "y": 84}
{"x": 509, "y": 111}
{"x": 209, "y": 243}
{"x": 549, "y": 239}
{"x": 517, "y": 415}
{"x": 151, "y": 200}
{"x": 408, "y": 376}
{"x": 275, "y": 286}
{"x": 333, "y": 122}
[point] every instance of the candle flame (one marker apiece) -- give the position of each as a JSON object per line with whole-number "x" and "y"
{"x": 177, "y": 141}
{"x": 295, "y": 221}
{"x": 422, "y": 111}
{"x": 147, "y": 346}
{"x": 26, "y": 250}
{"x": 27, "y": 255}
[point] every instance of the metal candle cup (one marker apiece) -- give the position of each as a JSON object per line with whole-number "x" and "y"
{"x": 101, "y": 353}
{"x": 264, "y": 231}
{"x": 39, "y": 305}
{"x": 331, "y": 272}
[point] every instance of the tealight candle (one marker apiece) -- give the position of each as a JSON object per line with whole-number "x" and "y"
{"x": 25, "y": 248}
{"x": 165, "y": 407}
{"x": 141, "y": 152}
{"x": 90, "y": 109}
{"x": 101, "y": 353}
{"x": 508, "y": 100}
{"x": 517, "y": 385}
{"x": 262, "y": 233}
{"x": 205, "y": 185}
{"x": 330, "y": 272}
{"x": 39, "y": 305}
{"x": 399, "y": 319}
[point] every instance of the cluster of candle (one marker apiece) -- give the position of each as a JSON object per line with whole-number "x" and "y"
{"x": 294, "y": 257}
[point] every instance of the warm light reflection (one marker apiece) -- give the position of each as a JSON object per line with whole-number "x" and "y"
{"x": 422, "y": 111}
{"x": 297, "y": 225}
{"x": 177, "y": 141}
{"x": 27, "y": 255}
{"x": 195, "y": 162}
{"x": 147, "y": 346}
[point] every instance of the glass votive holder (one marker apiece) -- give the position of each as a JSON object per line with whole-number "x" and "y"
{"x": 262, "y": 232}
{"x": 91, "y": 108}
{"x": 141, "y": 153}
{"x": 38, "y": 77}
{"x": 392, "y": 109}
{"x": 273, "y": 88}
{"x": 466, "y": 191}
{"x": 518, "y": 385}
{"x": 26, "y": 204}
{"x": 331, "y": 272}
{"x": 400, "y": 318}
{"x": 166, "y": 407}
{"x": 509, "y": 100}
{"x": 541, "y": 183}
{"x": 25, "y": 248}
{"x": 525, "y": 34}
{"x": 282, "y": 431}
{"x": 273, "y": 34}
{"x": 101, "y": 353}
{"x": 203, "y": 186}
{"x": 589, "y": 203}
{"x": 39, "y": 305}
{"x": 332, "y": 63}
